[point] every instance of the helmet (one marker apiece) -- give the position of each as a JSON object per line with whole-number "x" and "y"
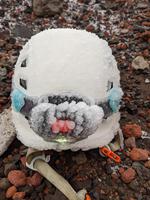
{"x": 66, "y": 91}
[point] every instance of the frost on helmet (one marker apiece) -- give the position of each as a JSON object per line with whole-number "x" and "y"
{"x": 66, "y": 91}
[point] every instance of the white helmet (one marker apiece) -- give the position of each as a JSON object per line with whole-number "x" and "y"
{"x": 66, "y": 91}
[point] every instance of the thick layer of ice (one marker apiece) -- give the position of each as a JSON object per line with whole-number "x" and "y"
{"x": 68, "y": 60}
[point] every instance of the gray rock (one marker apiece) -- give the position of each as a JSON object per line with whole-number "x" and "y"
{"x": 140, "y": 63}
{"x": 8, "y": 167}
{"x": 130, "y": 142}
{"x": 7, "y": 130}
{"x": 47, "y": 7}
{"x": 4, "y": 184}
{"x": 22, "y": 31}
{"x": 3, "y": 72}
{"x": 134, "y": 185}
{"x": 143, "y": 5}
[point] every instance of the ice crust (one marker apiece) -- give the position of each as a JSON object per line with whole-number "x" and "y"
{"x": 67, "y": 61}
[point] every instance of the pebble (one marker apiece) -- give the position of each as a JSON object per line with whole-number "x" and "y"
{"x": 35, "y": 180}
{"x": 4, "y": 183}
{"x": 140, "y": 63}
{"x": 141, "y": 170}
{"x": 17, "y": 178}
{"x": 11, "y": 191}
{"x": 8, "y": 167}
{"x": 23, "y": 160}
{"x": 147, "y": 164}
{"x": 147, "y": 80}
{"x": 124, "y": 31}
{"x": 47, "y": 8}
{"x": 134, "y": 185}
{"x": 19, "y": 196}
{"x": 128, "y": 175}
{"x": 130, "y": 142}
{"x": 22, "y": 31}
{"x": 142, "y": 5}
{"x": 90, "y": 28}
{"x": 138, "y": 154}
{"x": 7, "y": 130}
{"x": 132, "y": 130}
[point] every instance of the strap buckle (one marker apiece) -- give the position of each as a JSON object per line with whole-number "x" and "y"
{"x": 108, "y": 153}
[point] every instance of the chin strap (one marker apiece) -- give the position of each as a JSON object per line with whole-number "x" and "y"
{"x": 36, "y": 160}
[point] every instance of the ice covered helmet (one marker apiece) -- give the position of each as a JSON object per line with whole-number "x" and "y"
{"x": 66, "y": 91}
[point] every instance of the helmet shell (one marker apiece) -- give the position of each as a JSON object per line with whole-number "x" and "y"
{"x": 66, "y": 60}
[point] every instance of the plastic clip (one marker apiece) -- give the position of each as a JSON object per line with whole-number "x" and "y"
{"x": 107, "y": 152}
{"x": 87, "y": 197}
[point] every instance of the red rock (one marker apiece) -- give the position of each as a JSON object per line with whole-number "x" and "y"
{"x": 146, "y": 53}
{"x": 130, "y": 130}
{"x": 23, "y": 160}
{"x": 128, "y": 175}
{"x": 147, "y": 164}
{"x": 35, "y": 180}
{"x": 121, "y": 170}
{"x": 145, "y": 35}
{"x": 90, "y": 28}
{"x": 130, "y": 142}
{"x": 121, "y": 46}
{"x": 19, "y": 195}
{"x": 11, "y": 191}
{"x": 138, "y": 154}
{"x": 17, "y": 178}
{"x": 145, "y": 23}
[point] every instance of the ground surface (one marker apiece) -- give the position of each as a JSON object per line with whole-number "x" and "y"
{"x": 126, "y": 26}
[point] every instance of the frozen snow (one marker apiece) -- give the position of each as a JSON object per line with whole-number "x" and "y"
{"x": 68, "y": 61}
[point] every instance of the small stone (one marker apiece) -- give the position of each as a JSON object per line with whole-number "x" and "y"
{"x": 128, "y": 175}
{"x": 7, "y": 130}
{"x": 142, "y": 5}
{"x": 130, "y": 142}
{"x": 11, "y": 191}
{"x": 8, "y": 167}
{"x": 124, "y": 31}
{"x": 47, "y": 8}
{"x": 146, "y": 35}
{"x": 4, "y": 183}
{"x": 17, "y": 178}
{"x": 132, "y": 130}
{"x": 121, "y": 170}
{"x": 22, "y": 31}
{"x": 19, "y": 195}
{"x": 23, "y": 161}
{"x": 35, "y": 180}
{"x": 147, "y": 80}
{"x": 90, "y": 28}
{"x": 138, "y": 154}
{"x": 80, "y": 158}
{"x": 121, "y": 46}
{"x": 147, "y": 164}
{"x": 3, "y": 72}
{"x": 132, "y": 109}
{"x": 140, "y": 63}
{"x": 134, "y": 185}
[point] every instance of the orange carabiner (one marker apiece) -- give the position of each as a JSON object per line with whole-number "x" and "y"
{"x": 87, "y": 197}
{"x": 110, "y": 154}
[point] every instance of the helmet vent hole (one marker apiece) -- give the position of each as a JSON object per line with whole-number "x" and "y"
{"x": 109, "y": 85}
{"x": 23, "y": 83}
{"x": 23, "y": 64}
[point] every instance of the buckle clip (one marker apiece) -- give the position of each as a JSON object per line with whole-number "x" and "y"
{"x": 108, "y": 153}
{"x": 87, "y": 197}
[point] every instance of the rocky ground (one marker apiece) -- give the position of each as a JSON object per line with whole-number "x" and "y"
{"x": 125, "y": 24}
